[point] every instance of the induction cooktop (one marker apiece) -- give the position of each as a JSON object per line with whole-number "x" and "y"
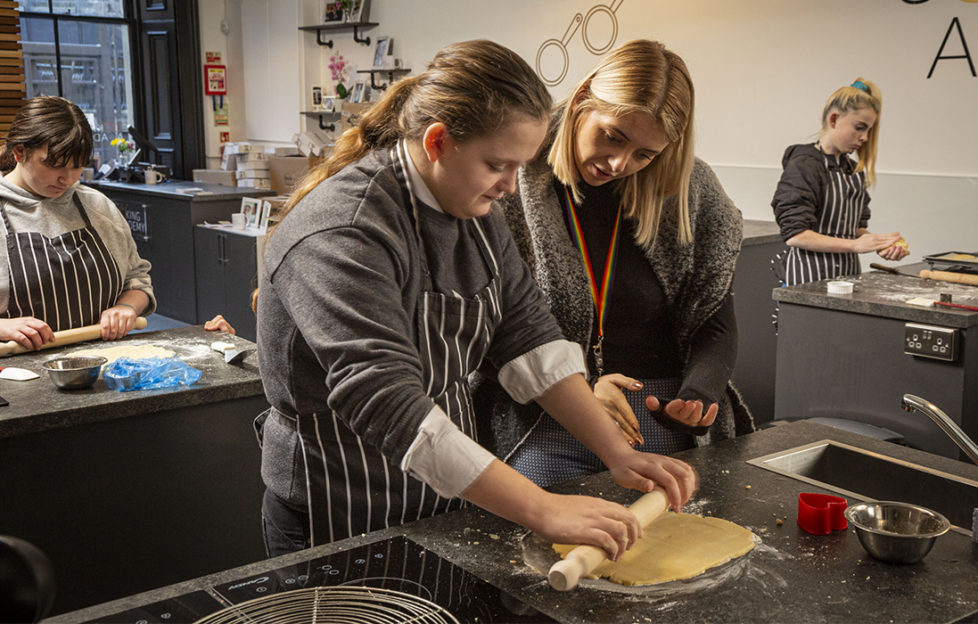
{"x": 398, "y": 564}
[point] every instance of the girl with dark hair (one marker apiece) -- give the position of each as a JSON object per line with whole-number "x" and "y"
{"x": 385, "y": 285}
{"x": 69, "y": 259}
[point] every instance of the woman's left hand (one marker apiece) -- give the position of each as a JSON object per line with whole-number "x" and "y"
{"x": 689, "y": 413}
{"x": 609, "y": 390}
{"x": 117, "y": 321}
{"x": 893, "y": 253}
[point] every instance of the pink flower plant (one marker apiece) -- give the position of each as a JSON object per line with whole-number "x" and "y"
{"x": 339, "y": 69}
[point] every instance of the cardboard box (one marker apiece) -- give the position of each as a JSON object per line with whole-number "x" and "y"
{"x": 214, "y": 176}
{"x": 351, "y": 114}
{"x": 249, "y": 174}
{"x": 255, "y": 183}
{"x": 288, "y": 170}
{"x": 284, "y": 150}
{"x": 237, "y": 148}
{"x": 250, "y": 165}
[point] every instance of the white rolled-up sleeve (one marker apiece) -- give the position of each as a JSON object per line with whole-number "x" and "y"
{"x": 444, "y": 457}
{"x": 533, "y": 373}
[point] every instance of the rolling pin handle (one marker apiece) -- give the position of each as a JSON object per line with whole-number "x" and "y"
{"x": 564, "y": 575}
{"x": 582, "y": 561}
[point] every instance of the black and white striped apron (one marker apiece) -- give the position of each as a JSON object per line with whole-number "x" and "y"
{"x": 351, "y": 487}
{"x": 842, "y": 210}
{"x": 65, "y": 281}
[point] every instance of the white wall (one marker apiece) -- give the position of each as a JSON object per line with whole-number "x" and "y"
{"x": 762, "y": 69}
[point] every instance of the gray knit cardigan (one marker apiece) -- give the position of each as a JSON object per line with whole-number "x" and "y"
{"x": 696, "y": 279}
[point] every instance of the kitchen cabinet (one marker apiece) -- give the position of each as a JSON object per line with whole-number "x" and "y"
{"x": 757, "y": 345}
{"x": 127, "y": 491}
{"x": 227, "y": 274}
{"x": 843, "y": 356}
{"x": 791, "y": 576}
{"x": 162, "y": 220}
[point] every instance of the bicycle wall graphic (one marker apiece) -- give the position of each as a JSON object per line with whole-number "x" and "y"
{"x": 579, "y": 22}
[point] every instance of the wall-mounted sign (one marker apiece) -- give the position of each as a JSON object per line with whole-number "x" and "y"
{"x": 553, "y": 71}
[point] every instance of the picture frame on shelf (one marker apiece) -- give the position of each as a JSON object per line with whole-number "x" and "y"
{"x": 383, "y": 51}
{"x": 334, "y": 12}
{"x": 360, "y": 92}
{"x": 358, "y": 11}
{"x": 264, "y": 213}
{"x": 251, "y": 209}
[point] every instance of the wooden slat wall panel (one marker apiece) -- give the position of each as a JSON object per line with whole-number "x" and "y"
{"x": 12, "y": 90}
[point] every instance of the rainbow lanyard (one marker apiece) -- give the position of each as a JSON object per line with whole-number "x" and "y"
{"x": 599, "y": 297}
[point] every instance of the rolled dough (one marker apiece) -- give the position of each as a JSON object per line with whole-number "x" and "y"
{"x": 130, "y": 351}
{"x": 674, "y": 547}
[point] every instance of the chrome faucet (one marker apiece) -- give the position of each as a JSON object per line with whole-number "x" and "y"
{"x": 911, "y": 402}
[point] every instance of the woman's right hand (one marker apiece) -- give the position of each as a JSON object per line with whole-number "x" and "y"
{"x": 567, "y": 519}
{"x": 874, "y": 242}
{"x": 27, "y": 331}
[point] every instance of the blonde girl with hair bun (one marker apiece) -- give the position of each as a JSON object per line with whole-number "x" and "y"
{"x": 633, "y": 242}
{"x": 385, "y": 285}
{"x": 821, "y": 203}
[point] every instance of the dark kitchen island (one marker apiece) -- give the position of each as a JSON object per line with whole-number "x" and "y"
{"x": 127, "y": 491}
{"x": 791, "y": 576}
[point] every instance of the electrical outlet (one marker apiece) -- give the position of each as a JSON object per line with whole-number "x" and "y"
{"x": 930, "y": 341}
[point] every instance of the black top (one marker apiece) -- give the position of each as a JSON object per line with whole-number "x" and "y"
{"x": 638, "y": 338}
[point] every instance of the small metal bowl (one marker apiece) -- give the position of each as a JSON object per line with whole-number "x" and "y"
{"x": 896, "y": 532}
{"x": 74, "y": 373}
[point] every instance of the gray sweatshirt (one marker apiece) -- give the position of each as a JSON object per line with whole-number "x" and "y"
{"x": 337, "y": 308}
{"x": 53, "y": 217}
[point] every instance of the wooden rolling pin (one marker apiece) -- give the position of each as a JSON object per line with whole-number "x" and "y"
{"x": 581, "y": 561}
{"x": 65, "y": 337}
{"x": 948, "y": 276}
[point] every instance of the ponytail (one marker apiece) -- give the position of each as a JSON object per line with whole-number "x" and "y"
{"x": 473, "y": 87}
{"x": 860, "y": 94}
{"x": 379, "y": 128}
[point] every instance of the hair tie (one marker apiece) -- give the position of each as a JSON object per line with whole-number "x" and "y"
{"x": 859, "y": 84}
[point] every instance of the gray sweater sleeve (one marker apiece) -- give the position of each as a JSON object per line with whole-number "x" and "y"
{"x": 339, "y": 298}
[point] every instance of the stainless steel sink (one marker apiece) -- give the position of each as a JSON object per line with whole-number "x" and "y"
{"x": 865, "y": 475}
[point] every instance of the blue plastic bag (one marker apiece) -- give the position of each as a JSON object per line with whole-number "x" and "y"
{"x": 149, "y": 373}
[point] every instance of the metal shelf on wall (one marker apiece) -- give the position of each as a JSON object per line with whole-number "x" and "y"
{"x": 390, "y": 71}
{"x": 356, "y": 27}
{"x": 334, "y": 115}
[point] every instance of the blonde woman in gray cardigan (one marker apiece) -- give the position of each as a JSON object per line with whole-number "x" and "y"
{"x": 633, "y": 242}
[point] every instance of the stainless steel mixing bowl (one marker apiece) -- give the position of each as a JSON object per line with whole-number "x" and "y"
{"x": 74, "y": 373}
{"x": 896, "y": 532}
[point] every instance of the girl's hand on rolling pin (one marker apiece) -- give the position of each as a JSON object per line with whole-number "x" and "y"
{"x": 117, "y": 321}
{"x": 608, "y": 390}
{"x": 874, "y": 242}
{"x": 587, "y": 520}
{"x": 647, "y": 471}
{"x": 27, "y": 331}
{"x": 689, "y": 413}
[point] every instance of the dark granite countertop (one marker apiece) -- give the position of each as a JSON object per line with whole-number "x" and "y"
{"x": 38, "y": 405}
{"x": 172, "y": 189}
{"x": 884, "y": 294}
{"x": 791, "y": 576}
{"x": 757, "y": 232}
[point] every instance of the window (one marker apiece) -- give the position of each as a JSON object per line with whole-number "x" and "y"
{"x": 80, "y": 50}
